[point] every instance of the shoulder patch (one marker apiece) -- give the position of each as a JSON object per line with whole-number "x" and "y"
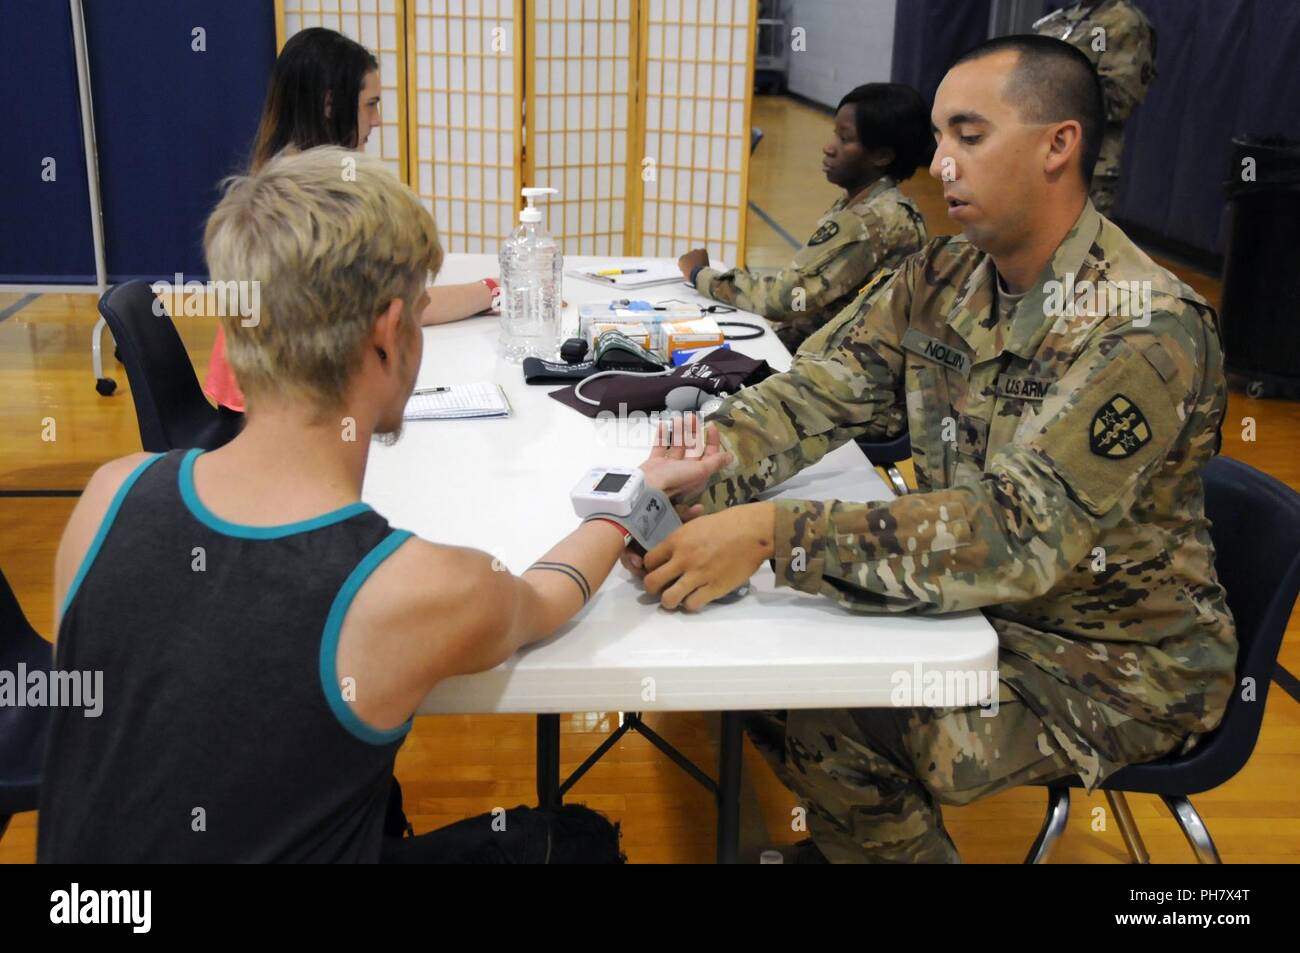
{"x": 825, "y": 232}
{"x": 1119, "y": 429}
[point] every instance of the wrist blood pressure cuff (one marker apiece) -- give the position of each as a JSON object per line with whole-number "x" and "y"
{"x": 722, "y": 371}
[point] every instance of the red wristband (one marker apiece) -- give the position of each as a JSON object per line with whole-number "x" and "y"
{"x": 493, "y": 295}
{"x": 627, "y": 537}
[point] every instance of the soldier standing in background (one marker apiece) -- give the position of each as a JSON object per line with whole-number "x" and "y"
{"x": 881, "y": 136}
{"x": 1121, "y": 44}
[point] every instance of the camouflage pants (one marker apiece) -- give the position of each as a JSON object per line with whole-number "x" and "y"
{"x": 873, "y": 779}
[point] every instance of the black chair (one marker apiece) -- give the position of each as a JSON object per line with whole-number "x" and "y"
{"x": 169, "y": 403}
{"x": 1256, "y": 535}
{"x": 23, "y": 729}
{"x": 887, "y": 454}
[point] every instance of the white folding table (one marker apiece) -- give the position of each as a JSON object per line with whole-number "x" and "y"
{"x": 502, "y": 485}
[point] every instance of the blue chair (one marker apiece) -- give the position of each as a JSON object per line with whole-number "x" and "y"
{"x": 886, "y": 454}
{"x": 1256, "y": 532}
{"x": 169, "y": 403}
{"x": 22, "y": 729}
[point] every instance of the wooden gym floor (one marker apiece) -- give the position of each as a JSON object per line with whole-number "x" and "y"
{"x": 453, "y": 767}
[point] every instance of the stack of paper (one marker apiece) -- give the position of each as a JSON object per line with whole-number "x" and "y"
{"x": 457, "y": 401}
{"x": 643, "y": 273}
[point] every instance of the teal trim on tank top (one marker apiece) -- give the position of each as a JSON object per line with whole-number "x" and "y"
{"x": 329, "y": 645}
{"x": 216, "y": 523}
{"x": 104, "y": 527}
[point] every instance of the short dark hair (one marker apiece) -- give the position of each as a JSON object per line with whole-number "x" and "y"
{"x": 893, "y": 115}
{"x": 1052, "y": 82}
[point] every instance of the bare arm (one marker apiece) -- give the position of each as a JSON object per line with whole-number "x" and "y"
{"x": 498, "y": 613}
{"x": 449, "y": 303}
{"x": 431, "y": 612}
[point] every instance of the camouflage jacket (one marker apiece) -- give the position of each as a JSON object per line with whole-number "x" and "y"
{"x": 1058, "y": 457}
{"x": 851, "y": 244}
{"x": 1124, "y": 54}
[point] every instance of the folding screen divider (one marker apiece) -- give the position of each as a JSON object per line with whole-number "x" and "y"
{"x": 636, "y": 110}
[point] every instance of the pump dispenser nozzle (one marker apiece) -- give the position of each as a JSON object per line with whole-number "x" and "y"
{"x": 532, "y": 213}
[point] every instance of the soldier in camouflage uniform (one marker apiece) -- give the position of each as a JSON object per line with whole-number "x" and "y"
{"x": 1058, "y": 435}
{"x": 881, "y": 135}
{"x": 1121, "y": 43}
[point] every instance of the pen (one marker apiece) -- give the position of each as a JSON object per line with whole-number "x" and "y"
{"x": 623, "y": 271}
{"x": 430, "y": 390}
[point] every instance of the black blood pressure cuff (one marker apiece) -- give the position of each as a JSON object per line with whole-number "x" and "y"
{"x": 718, "y": 372}
{"x": 614, "y": 352}
{"x": 537, "y": 371}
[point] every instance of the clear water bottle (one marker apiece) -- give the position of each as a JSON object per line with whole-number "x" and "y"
{"x": 531, "y": 265}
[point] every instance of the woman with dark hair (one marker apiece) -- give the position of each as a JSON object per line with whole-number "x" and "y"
{"x": 881, "y": 134}
{"x": 325, "y": 91}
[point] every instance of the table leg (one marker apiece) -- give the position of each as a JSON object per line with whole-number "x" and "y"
{"x": 548, "y": 761}
{"x": 730, "y": 759}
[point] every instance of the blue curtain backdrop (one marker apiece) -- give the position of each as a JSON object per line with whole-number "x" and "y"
{"x": 1226, "y": 68}
{"x": 930, "y": 34}
{"x": 45, "y": 235}
{"x": 171, "y": 121}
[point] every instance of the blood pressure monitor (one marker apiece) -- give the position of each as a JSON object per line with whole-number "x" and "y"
{"x": 621, "y": 494}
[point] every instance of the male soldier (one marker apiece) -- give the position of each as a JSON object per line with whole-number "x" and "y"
{"x": 1121, "y": 43}
{"x": 1063, "y": 393}
{"x": 881, "y": 135}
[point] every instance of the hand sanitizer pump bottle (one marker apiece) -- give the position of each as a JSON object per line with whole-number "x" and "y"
{"x": 531, "y": 265}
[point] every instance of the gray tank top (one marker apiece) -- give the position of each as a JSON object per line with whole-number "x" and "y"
{"x": 224, "y": 733}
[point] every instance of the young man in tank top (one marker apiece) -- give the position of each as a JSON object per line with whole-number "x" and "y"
{"x": 265, "y": 637}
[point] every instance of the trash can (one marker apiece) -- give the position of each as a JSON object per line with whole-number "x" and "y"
{"x": 1260, "y": 314}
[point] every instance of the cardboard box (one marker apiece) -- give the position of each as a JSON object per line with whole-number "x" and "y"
{"x": 636, "y": 332}
{"x": 689, "y": 335}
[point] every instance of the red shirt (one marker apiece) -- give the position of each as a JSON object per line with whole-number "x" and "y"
{"x": 221, "y": 385}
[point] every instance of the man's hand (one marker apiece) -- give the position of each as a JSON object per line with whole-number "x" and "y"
{"x": 682, "y": 461}
{"x": 633, "y": 558}
{"x": 710, "y": 556}
{"x": 692, "y": 260}
{"x": 680, "y": 464}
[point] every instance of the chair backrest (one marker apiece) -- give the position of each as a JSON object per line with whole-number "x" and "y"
{"x": 1256, "y": 530}
{"x": 169, "y": 403}
{"x": 882, "y": 453}
{"x": 23, "y": 729}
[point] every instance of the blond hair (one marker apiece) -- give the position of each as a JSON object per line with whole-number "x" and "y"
{"x": 331, "y": 237}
